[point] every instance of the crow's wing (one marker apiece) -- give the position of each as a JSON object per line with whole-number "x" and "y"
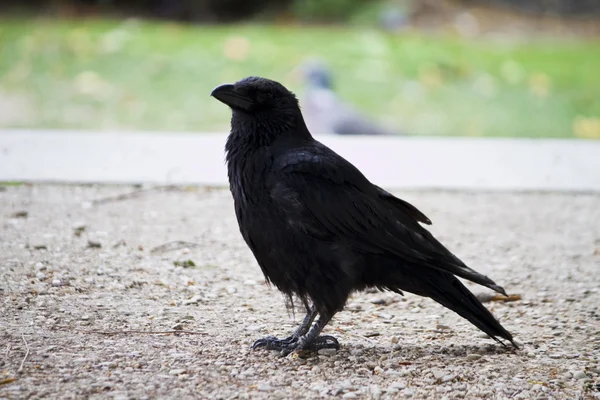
{"x": 324, "y": 195}
{"x": 404, "y": 206}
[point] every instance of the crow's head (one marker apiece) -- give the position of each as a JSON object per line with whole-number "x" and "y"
{"x": 254, "y": 95}
{"x": 262, "y": 111}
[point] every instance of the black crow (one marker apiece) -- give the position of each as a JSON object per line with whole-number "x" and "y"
{"x": 320, "y": 230}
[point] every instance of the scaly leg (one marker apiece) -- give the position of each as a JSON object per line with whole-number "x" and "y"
{"x": 310, "y": 340}
{"x": 272, "y": 343}
{"x": 306, "y": 322}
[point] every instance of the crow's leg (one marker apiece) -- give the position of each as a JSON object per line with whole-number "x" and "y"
{"x": 272, "y": 343}
{"x": 312, "y": 341}
{"x": 306, "y": 322}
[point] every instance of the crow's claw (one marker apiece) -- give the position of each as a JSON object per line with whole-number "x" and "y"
{"x": 324, "y": 342}
{"x": 292, "y": 343}
{"x": 272, "y": 343}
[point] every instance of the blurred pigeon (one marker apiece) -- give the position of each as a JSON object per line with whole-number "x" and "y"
{"x": 323, "y": 110}
{"x": 393, "y": 19}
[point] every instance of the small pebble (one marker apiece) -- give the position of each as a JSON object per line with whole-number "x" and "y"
{"x": 177, "y": 327}
{"x": 254, "y": 328}
{"x": 375, "y": 392}
{"x": 263, "y": 387}
{"x": 579, "y": 375}
{"x": 438, "y": 373}
{"x": 79, "y": 228}
{"x": 327, "y": 352}
{"x": 318, "y": 387}
{"x": 349, "y": 395}
{"x": 398, "y": 385}
{"x": 41, "y": 276}
{"x": 94, "y": 244}
{"x": 119, "y": 243}
{"x": 191, "y": 301}
{"x": 448, "y": 378}
{"x": 177, "y": 371}
{"x": 39, "y": 246}
{"x": 473, "y": 357}
{"x": 357, "y": 352}
{"x": 56, "y": 282}
{"x": 20, "y": 214}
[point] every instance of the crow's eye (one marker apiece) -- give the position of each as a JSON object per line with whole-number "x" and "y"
{"x": 264, "y": 96}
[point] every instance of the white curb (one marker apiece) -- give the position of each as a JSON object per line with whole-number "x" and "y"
{"x": 393, "y": 162}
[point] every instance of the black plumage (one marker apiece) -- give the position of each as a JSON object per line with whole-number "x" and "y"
{"x": 320, "y": 230}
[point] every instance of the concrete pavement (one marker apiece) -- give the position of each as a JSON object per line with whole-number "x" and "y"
{"x": 395, "y": 162}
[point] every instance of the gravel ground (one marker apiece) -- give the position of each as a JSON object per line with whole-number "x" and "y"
{"x": 80, "y": 288}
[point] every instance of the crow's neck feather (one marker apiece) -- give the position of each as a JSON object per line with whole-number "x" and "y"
{"x": 251, "y": 132}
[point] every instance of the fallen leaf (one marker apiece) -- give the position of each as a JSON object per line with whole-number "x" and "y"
{"x": 485, "y": 297}
{"x": 237, "y": 48}
{"x": 586, "y": 127}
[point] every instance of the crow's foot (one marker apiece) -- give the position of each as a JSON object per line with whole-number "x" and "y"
{"x": 292, "y": 343}
{"x": 272, "y": 343}
{"x": 324, "y": 342}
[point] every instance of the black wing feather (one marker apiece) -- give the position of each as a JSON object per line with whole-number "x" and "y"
{"x": 364, "y": 215}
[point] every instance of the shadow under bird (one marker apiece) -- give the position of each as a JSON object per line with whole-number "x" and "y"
{"x": 320, "y": 230}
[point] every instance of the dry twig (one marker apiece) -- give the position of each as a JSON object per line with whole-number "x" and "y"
{"x": 26, "y": 353}
{"x": 172, "y": 246}
{"x": 487, "y": 297}
{"x": 141, "y": 332}
{"x": 130, "y": 195}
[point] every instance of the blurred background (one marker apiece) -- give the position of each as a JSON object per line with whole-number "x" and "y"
{"x": 442, "y": 68}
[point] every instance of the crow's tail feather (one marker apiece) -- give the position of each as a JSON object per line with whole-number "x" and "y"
{"x": 451, "y": 293}
{"x": 447, "y": 290}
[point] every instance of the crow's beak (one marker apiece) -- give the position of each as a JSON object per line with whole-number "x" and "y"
{"x": 227, "y": 94}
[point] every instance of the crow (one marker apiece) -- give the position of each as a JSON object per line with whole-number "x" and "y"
{"x": 320, "y": 230}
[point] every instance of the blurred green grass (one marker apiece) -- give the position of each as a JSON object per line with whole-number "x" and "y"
{"x": 139, "y": 75}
